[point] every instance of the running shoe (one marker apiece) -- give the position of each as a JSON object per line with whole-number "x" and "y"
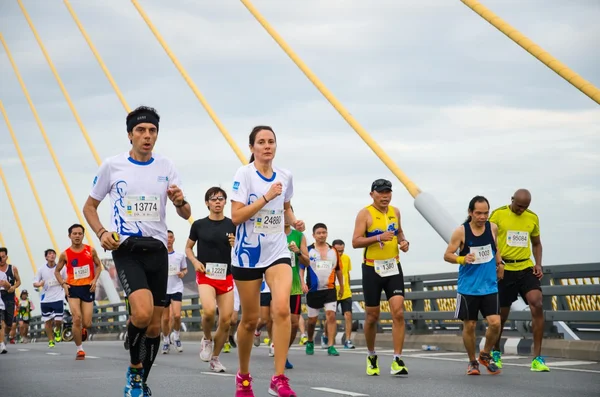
{"x": 243, "y": 385}
{"x": 538, "y": 364}
{"x": 280, "y": 387}
{"x": 398, "y": 367}
{"x": 372, "y": 365}
{"x": 486, "y": 360}
{"x": 473, "y": 368}
{"x": 497, "y": 357}
{"x": 134, "y": 386}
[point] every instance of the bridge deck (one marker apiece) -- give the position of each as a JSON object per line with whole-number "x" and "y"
{"x": 35, "y": 371}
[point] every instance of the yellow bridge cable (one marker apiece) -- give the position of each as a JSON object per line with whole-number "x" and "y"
{"x": 4, "y": 245}
{"x": 192, "y": 85}
{"x": 383, "y": 156}
{"x": 61, "y": 85}
{"x": 102, "y": 65}
{"x": 47, "y": 141}
{"x": 18, "y": 220}
{"x": 28, "y": 174}
{"x": 560, "y": 68}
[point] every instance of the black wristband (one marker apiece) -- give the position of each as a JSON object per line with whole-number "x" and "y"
{"x": 265, "y": 199}
{"x": 182, "y": 204}
{"x": 101, "y": 234}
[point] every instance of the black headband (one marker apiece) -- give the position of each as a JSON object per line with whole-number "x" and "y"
{"x": 145, "y": 117}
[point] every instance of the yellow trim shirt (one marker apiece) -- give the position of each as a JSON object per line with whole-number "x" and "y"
{"x": 346, "y": 268}
{"x": 514, "y": 236}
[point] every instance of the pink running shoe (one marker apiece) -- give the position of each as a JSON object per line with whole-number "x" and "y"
{"x": 243, "y": 385}
{"x": 280, "y": 387}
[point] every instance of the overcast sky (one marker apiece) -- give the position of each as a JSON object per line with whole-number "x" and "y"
{"x": 459, "y": 107}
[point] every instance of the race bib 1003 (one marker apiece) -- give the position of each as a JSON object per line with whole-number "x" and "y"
{"x": 517, "y": 239}
{"x": 386, "y": 267}
{"x": 216, "y": 271}
{"x": 482, "y": 254}
{"x": 173, "y": 269}
{"x": 142, "y": 208}
{"x": 81, "y": 272}
{"x": 269, "y": 222}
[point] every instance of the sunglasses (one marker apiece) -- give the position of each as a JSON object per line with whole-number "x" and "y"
{"x": 215, "y": 199}
{"x": 381, "y": 183}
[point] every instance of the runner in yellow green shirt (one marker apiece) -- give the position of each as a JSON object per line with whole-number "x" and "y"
{"x": 518, "y": 237}
{"x": 345, "y": 302}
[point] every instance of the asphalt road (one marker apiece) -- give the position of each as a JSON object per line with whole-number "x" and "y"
{"x": 33, "y": 370}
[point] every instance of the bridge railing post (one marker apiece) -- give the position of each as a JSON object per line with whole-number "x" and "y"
{"x": 418, "y": 305}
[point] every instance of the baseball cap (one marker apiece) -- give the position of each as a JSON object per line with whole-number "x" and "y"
{"x": 381, "y": 185}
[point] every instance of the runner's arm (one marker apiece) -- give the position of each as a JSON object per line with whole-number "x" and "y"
{"x": 400, "y": 233}
{"x": 37, "y": 280}
{"x": 240, "y": 213}
{"x": 456, "y": 241}
{"x": 98, "y": 265}
{"x": 17, "y": 279}
{"x": 498, "y": 254}
{"x": 90, "y": 212}
{"x": 62, "y": 259}
{"x": 303, "y": 255}
{"x": 360, "y": 227}
{"x": 536, "y": 243}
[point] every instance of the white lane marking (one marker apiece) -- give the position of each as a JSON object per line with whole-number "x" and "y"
{"x": 53, "y": 354}
{"x": 91, "y": 357}
{"x": 570, "y": 363}
{"x": 336, "y": 391}
{"x": 23, "y": 350}
{"x": 463, "y": 360}
{"x": 217, "y": 374}
{"x": 440, "y": 354}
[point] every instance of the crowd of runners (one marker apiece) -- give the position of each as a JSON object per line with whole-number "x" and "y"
{"x": 258, "y": 262}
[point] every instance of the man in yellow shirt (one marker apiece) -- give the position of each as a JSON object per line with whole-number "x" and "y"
{"x": 518, "y": 236}
{"x": 345, "y": 302}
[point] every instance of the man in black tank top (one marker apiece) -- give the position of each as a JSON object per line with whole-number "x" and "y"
{"x": 8, "y": 295}
{"x": 477, "y": 286}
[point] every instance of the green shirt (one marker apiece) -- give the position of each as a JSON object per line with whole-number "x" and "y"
{"x": 296, "y": 237}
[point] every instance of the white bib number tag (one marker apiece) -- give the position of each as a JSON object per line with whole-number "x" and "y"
{"x": 269, "y": 222}
{"x": 81, "y": 272}
{"x": 216, "y": 271}
{"x": 52, "y": 283}
{"x": 386, "y": 267}
{"x": 324, "y": 265}
{"x": 482, "y": 254}
{"x": 173, "y": 269}
{"x": 293, "y": 258}
{"x": 142, "y": 208}
{"x": 517, "y": 239}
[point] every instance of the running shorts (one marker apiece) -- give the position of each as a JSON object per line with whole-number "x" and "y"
{"x": 468, "y": 307}
{"x": 221, "y": 286}
{"x": 516, "y": 283}
{"x": 143, "y": 263}
{"x": 373, "y": 284}
{"x": 52, "y": 311}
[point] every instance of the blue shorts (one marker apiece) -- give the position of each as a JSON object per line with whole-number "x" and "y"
{"x": 81, "y": 292}
{"x": 52, "y": 311}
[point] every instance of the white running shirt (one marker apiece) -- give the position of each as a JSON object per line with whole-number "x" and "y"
{"x": 177, "y": 263}
{"x": 51, "y": 291}
{"x": 261, "y": 240}
{"x": 138, "y": 194}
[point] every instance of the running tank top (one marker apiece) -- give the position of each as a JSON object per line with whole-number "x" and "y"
{"x": 80, "y": 266}
{"x": 384, "y": 250}
{"x": 478, "y": 278}
{"x": 296, "y": 237}
{"x": 10, "y": 277}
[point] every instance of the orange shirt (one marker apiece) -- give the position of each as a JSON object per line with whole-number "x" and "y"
{"x": 80, "y": 266}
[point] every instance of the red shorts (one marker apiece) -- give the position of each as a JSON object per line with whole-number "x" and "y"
{"x": 220, "y": 286}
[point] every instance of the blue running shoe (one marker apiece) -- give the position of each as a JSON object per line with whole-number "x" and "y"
{"x": 288, "y": 364}
{"x": 147, "y": 391}
{"x": 134, "y": 387}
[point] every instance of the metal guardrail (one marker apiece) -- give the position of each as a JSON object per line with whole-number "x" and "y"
{"x": 571, "y": 295}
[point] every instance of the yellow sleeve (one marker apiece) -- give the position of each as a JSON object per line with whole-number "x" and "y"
{"x": 536, "y": 227}
{"x": 349, "y": 264}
